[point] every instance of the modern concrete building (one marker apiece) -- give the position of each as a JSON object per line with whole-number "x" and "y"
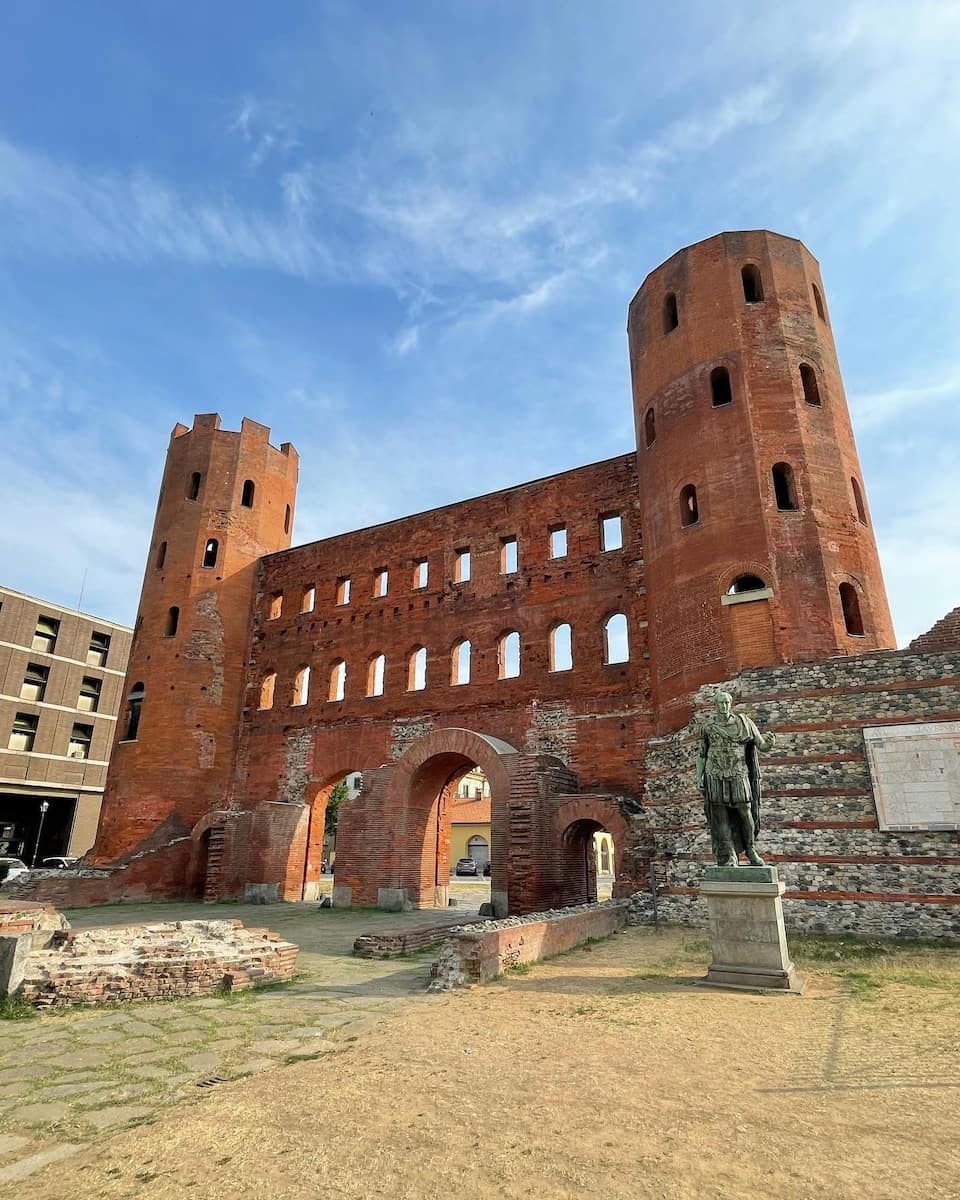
{"x": 61, "y": 683}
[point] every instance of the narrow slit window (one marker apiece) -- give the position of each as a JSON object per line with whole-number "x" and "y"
{"x": 338, "y": 680}
{"x": 286, "y": 519}
{"x": 858, "y": 501}
{"x": 649, "y": 428}
{"x": 375, "y": 673}
{"x": 689, "y": 506}
{"x": 561, "y": 647}
{"x": 24, "y": 732}
{"x": 461, "y": 565}
{"x": 268, "y": 686}
{"x": 818, "y": 302}
{"x": 671, "y": 313}
{"x": 460, "y": 663}
{"x": 308, "y": 599}
{"x": 616, "y": 643}
{"x": 417, "y": 670}
{"x": 89, "y": 698}
{"x": 45, "y": 635}
{"x": 509, "y": 556}
{"x": 811, "y": 389}
{"x": 80, "y": 739}
{"x": 720, "y": 390}
{"x": 193, "y": 486}
{"x": 34, "y": 686}
{"x": 134, "y": 710}
{"x": 752, "y": 284}
{"x": 301, "y": 686}
{"x": 98, "y": 650}
{"x": 275, "y": 606}
{"x": 784, "y": 487}
{"x": 173, "y": 620}
{"x": 421, "y": 573}
{"x": 343, "y": 590}
{"x": 161, "y": 555}
{"x": 850, "y": 602}
{"x": 508, "y": 656}
{"x": 558, "y": 541}
{"x": 381, "y": 581}
{"x": 611, "y": 532}
{"x": 210, "y": 552}
{"x": 246, "y": 496}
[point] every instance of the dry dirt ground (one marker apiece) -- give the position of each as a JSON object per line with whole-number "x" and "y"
{"x": 603, "y": 1072}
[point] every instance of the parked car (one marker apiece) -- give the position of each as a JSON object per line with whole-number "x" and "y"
{"x": 465, "y": 866}
{"x": 58, "y": 863}
{"x": 10, "y": 868}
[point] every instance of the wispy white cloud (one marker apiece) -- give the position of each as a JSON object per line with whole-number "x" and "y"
{"x": 876, "y": 409}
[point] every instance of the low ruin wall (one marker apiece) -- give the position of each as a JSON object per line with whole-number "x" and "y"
{"x": 480, "y": 952}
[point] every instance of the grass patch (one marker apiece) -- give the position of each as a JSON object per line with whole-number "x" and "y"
{"x": 16, "y": 1008}
{"x": 823, "y": 948}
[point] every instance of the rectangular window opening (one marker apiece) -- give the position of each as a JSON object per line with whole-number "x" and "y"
{"x": 99, "y": 650}
{"x": 45, "y": 636}
{"x": 309, "y": 600}
{"x": 558, "y": 541}
{"x": 421, "y": 573}
{"x": 23, "y": 733}
{"x": 611, "y": 532}
{"x": 89, "y": 698}
{"x": 461, "y": 568}
{"x": 34, "y": 682}
{"x": 343, "y": 590}
{"x": 509, "y": 556}
{"x": 80, "y": 739}
{"x": 275, "y": 607}
{"x": 381, "y": 581}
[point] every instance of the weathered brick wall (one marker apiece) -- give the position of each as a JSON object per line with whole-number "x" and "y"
{"x": 945, "y": 635}
{"x": 820, "y": 824}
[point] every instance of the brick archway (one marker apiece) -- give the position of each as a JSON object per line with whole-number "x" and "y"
{"x": 573, "y": 826}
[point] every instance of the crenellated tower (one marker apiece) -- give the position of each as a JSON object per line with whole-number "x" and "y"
{"x": 226, "y": 500}
{"x": 758, "y": 543}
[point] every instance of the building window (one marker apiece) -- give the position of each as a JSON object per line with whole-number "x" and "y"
{"x": 616, "y": 644}
{"x": 461, "y": 566}
{"x": 784, "y": 488}
{"x": 509, "y": 556}
{"x": 850, "y": 602}
{"x": 23, "y": 732}
{"x": 173, "y": 620}
{"x": 858, "y": 501}
{"x": 338, "y": 680}
{"x": 720, "y": 390}
{"x": 558, "y": 541}
{"x": 80, "y": 739}
{"x": 286, "y": 519}
{"x": 210, "y": 552}
{"x": 381, "y": 581}
{"x": 752, "y": 284}
{"x": 421, "y": 573}
{"x": 161, "y": 555}
{"x": 45, "y": 635}
{"x": 460, "y": 663}
{"x": 134, "y": 709}
{"x": 689, "y": 508}
{"x": 811, "y": 389}
{"x": 301, "y": 686}
{"x": 671, "y": 313}
{"x": 34, "y": 684}
{"x": 375, "y": 673}
{"x": 746, "y": 583}
{"x": 246, "y": 496}
{"x": 508, "y": 656}
{"x": 343, "y": 590}
{"x": 308, "y": 599}
{"x": 561, "y": 648}
{"x": 89, "y": 698}
{"x": 818, "y": 301}
{"x": 417, "y": 670}
{"x": 98, "y": 650}
{"x": 611, "y": 532}
{"x": 193, "y": 486}
{"x": 275, "y": 606}
{"x": 268, "y": 686}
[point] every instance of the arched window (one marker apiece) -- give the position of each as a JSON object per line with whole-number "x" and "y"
{"x": 752, "y": 284}
{"x": 193, "y": 486}
{"x": 210, "y": 551}
{"x": 375, "y": 671}
{"x": 783, "y": 487}
{"x": 671, "y": 313}
{"x": 161, "y": 555}
{"x": 561, "y": 648}
{"x": 508, "y": 656}
{"x": 246, "y": 497}
{"x": 649, "y": 428}
{"x": 301, "y": 686}
{"x": 811, "y": 389}
{"x": 720, "y": 390}
{"x": 267, "y": 686}
{"x": 858, "y": 501}
{"x": 616, "y": 643}
{"x": 689, "y": 509}
{"x": 286, "y": 519}
{"x": 818, "y": 301}
{"x": 746, "y": 583}
{"x": 134, "y": 707}
{"x": 850, "y": 602}
{"x": 417, "y": 670}
{"x": 460, "y": 662}
{"x": 338, "y": 680}
{"x": 173, "y": 620}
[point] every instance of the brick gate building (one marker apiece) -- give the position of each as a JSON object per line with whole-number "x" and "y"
{"x": 557, "y": 634}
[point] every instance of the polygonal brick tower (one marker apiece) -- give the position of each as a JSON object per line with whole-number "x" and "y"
{"x": 758, "y": 545}
{"x": 226, "y": 500}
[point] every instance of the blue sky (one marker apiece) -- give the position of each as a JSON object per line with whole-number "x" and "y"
{"x": 405, "y": 237}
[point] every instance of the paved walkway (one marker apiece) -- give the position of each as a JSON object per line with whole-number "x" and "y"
{"x": 71, "y": 1076}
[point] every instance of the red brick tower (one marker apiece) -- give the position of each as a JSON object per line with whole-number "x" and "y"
{"x": 757, "y": 539}
{"x": 226, "y": 500}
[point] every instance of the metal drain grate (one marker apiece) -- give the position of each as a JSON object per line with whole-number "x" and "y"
{"x": 213, "y": 1079}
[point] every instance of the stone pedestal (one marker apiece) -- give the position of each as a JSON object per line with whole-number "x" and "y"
{"x": 745, "y": 923}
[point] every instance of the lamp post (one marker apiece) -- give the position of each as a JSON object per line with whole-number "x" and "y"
{"x": 44, "y": 805}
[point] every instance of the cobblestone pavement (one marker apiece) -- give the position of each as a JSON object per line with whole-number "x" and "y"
{"x": 72, "y": 1076}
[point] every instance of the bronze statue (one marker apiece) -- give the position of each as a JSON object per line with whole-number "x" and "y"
{"x": 728, "y": 774}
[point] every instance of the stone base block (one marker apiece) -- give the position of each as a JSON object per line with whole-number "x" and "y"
{"x": 342, "y": 896}
{"x": 392, "y": 899}
{"x": 721, "y": 975}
